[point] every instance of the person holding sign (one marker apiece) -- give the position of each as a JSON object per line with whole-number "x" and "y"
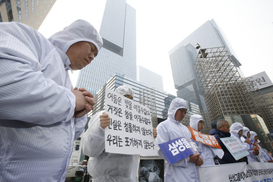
{"x": 41, "y": 115}
{"x": 222, "y": 131}
{"x": 254, "y": 150}
{"x": 246, "y": 138}
{"x": 104, "y": 166}
{"x": 236, "y": 130}
{"x": 172, "y": 130}
{"x": 207, "y": 152}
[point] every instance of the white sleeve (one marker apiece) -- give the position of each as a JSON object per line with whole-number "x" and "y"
{"x": 79, "y": 126}
{"x": 162, "y": 137}
{"x": 93, "y": 138}
{"x": 26, "y": 95}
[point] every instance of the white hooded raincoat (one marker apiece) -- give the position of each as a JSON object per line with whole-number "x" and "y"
{"x": 37, "y": 127}
{"x": 171, "y": 129}
{"x": 207, "y": 153}
{"x": 103, "y": 166}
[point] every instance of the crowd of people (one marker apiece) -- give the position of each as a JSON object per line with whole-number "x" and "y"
{"x": 41, "y": 114}
{"x": 186, "y": 169}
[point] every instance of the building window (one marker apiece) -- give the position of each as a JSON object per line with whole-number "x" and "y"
{"x": 18, "y": 4}
{"x": 32, "y": 5}
{"x": 26, "y": 9}
{"x": 9, "y": 10}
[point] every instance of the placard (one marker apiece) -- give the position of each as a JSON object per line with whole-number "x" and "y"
{"x": 237, "y": 172}
{"x": 235, "y": 147}
{"x": 176, "y": 149}
{"x": 209, "y": 140}
{"x": 130, "y": 130}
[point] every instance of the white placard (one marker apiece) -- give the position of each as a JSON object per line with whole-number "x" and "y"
{"x": 235, "y": 147}
{"x": 237, "y": 172}
{"x": 130, "y": 130}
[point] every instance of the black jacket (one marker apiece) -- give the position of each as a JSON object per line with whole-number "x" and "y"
{"x": 227, "y": 158}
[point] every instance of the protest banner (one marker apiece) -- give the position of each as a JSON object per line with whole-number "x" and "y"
{"x": 209, "y": 140}
{"x": 176, "y": 149}
{"x": 130, "y": 130}
{"x": 235, "y": 147}
{"x": 237, "y": 172}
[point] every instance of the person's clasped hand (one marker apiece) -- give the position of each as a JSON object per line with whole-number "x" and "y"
{"x": 195, "y": 158}
{"x": 85, "y": 102}
{"x": 248, "y": 141}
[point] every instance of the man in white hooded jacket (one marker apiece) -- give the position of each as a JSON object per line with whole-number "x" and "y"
{"x": 236, "y": 130}
{"x": 104, "y": 166}
{"x": 40, "y": 113}
{"x": 207, "y": 153}
{"x": 183, "y": 170}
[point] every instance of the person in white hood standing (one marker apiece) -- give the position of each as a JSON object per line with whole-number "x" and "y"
{"x": 246, "y": 135}
{"x": 40, "y": 113}
{"x": 236, "y": 130}
{"x": 183, "y": 170}
{"x": 207, "y": 153}
{"x": 254, "y": 151}
{"x": 104, "y": 166}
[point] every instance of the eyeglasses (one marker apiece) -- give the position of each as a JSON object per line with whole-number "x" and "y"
{"x": 183, "y": 111}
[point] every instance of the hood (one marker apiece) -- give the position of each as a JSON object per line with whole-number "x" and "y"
{"x": 235, "y": 128}
{"x": 194, "y": 120}
{"x": 252, "y": 135}
{"x": 124, "y": 90}
{"x": 176, "y": 104}
{"x": 79, "y": 30}
{"x": 245, "y": 130}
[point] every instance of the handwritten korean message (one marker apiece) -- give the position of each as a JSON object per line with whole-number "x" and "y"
{"x": 130, "y": 130}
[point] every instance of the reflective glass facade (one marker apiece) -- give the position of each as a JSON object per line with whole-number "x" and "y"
{"x": 30, "y": 12}
{"x": 182, "y": 58}
{"x": 150, "y": 78}
{"x": 157, "y": 101}
{"x": 118, "y": 54}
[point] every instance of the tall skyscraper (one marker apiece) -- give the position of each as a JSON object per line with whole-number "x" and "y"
{"x": 206, "y": 72}
{"x": 150, "y": 78}
{"x": 30, "y": 12}
{"x": 118, "y": 54}
{"x": 182, "y": 59}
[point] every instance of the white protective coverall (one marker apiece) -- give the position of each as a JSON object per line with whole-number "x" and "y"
{"x": 37, "y": 124}
{"x": 207, "y": 152}
{"x": 263, "y": 156}
{"x": 244, "y": 136}
{"x": 171, "y": 129}
{"x": 234, "y": 129}
{"x": 103, "y": 166}
{"x": 252, "y": 157}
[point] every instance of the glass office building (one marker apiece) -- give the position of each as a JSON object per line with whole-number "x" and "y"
{"x": 30, "y": 12}
{"x": 183, "y": 55}
{"x": 150, "y": 78}
{"x": 157, "y": 101}
{"x": 118, "y": 54}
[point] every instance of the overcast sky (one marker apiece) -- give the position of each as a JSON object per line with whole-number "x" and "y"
{"x": 162, "y": 24}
